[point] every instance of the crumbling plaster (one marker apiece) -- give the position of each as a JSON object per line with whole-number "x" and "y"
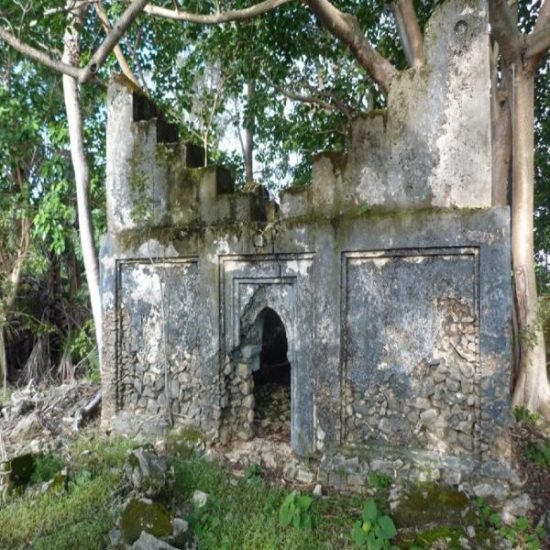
{"x": 390, "y": 272}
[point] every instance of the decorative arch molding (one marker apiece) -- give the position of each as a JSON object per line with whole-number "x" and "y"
{"x": 249, "y": 285}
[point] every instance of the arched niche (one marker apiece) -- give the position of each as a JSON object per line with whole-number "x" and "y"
{"x": 258, "y": 304}
{"x": 268, "y": 347}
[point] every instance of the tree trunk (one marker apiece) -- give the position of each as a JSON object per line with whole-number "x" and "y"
{"x": 3, "y": 359}
{"x": 249, "y": 134}
{"x": 6, "y": 305}
{"x": 71, "y": 55}
{"x": 532, "y": 388}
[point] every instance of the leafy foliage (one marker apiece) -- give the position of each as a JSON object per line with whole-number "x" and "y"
{"x": 519, "y": 535}
{"x": 373, "y": 531}
{"x": 38, "y": 226}
{"x": 521, "y": 414}
{"x": 45, "y": 468}
{"x": 296, "y": 511}
{"x": 379, "y": 480}
{"x": 539, "y": 452}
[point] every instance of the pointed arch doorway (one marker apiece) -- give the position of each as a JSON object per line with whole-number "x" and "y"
{"x": 272, "y": 378}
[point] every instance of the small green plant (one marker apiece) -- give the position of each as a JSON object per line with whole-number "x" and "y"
{"x": 84, "y": 351}
{"x": 45, "y": 468}
{"x": 379, "y": 480}
{"x": 519, "y": 535}
{"x": 206, "y": 519}
{"x": 365, "y": 208}
{"x": 253, "y": 470}
{"x": 486, "y": 515}
{"x": 296, "y": 510}
{"x": 373, "y": 531}
{"x": 253, "y": 474}
{"x": 539, "y": 452}
{"x": 81, "y": 478}
{"x": 522, "y": 414}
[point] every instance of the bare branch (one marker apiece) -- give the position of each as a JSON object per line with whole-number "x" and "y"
{"x": 68, "y": 8}
{"x": 334, "y": 99}
{"x": 38, "y": 55}
{"x": 346, "y": 28}
{"x": 538, "y": 44}
{"x": 505, "y": 30}
{"x": 312, "y": 100}
{"x": 214, "y": 19}
{"x": 112, "y": 39}
{"x": 543, "y": 19}
{"x": 409, "y": 31}
{"x": 124, "y": 67}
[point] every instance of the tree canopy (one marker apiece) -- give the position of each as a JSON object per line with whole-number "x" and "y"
{"x": 263, "y": 87}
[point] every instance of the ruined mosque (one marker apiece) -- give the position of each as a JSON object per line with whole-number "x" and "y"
{"x": 379, "y": 296}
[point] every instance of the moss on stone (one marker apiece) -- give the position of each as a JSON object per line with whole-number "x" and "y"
{"x": 182, "y": 443}
{"x": 141, "y": 515}
{"x": 426, "y": 539}
{"x": 432, "y": 503}
{"x": 373, "y": 213}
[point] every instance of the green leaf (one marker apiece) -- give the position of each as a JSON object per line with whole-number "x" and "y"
{"x": 297, "y": 521}
{"x": 495, "y": 519}
{"x": 308, "y": 521}
{"x": 304, "y": 502}
{"x": 370, "y": 511}
{"x": 358, "y": 535}
{"x": 373, "y": 542}
{"x": 285, "y": 515}
{"x": 522, "y": 523}
{"x": 387, "y": 527}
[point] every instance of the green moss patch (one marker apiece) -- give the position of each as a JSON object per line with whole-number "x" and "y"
{"x": 183, "y": 442}
{"x": 141, "y": 515}
{"x": 430, "y": 503}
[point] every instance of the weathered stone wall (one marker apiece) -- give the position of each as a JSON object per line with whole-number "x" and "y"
{"x": 390, "y": 273}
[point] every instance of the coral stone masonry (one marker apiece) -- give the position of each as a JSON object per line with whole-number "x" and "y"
{"x": 376, "y": 302}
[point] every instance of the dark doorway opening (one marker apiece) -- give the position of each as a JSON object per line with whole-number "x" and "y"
{"x": 272, "y": 379}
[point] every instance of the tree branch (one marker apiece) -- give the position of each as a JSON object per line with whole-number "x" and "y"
{"x": 311, "y": 100}
{"x": 38, "y": 55}
{"x": 112, "y": 39}
{"x": 336, "y": 101}
{"x": 505, "y": 30}
{"x": 214, "y": 19}
{"x": 124, "y": 67}
{"x": 68, "y": 8}
{"x": 409, "y": 31}
{"x": 346, "y": 28}
{"x": 44, "y": 59}
{"x": 544, "y": 17}
{"x": 538, "y": 43}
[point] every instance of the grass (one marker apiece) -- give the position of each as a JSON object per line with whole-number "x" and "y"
{"x": 78, "y": 516}
{"x": 241, "y": 512}
{"x": 244, "y": 513}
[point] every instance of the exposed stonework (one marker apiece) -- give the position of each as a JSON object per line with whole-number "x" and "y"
{"x": 389, "y": 277}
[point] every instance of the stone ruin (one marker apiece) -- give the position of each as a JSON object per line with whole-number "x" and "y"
{"x": 379, "y": 296}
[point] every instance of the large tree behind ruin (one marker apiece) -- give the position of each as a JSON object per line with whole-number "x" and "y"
{"x": 517, "y": 59}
